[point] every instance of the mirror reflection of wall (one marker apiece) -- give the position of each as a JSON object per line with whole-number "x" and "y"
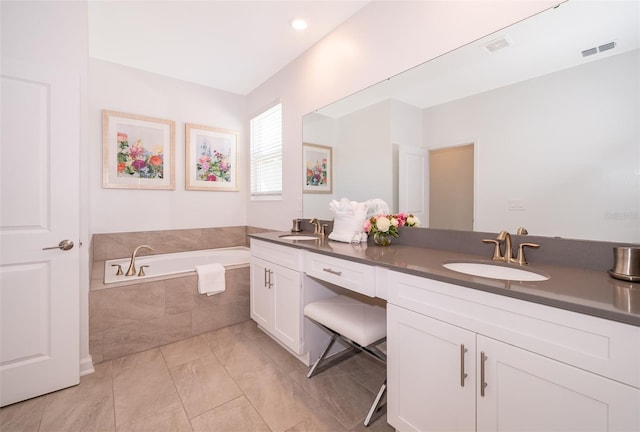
{"x": 558, "y": 153}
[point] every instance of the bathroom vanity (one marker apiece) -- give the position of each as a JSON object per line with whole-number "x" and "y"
{"x": 466, "y": 352}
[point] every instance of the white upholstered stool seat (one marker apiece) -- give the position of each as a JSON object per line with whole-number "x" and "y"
{"x": 359, "y": 325}
{"x": 364, "y": 324}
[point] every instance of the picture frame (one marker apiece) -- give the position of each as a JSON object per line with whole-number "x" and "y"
{"x": 211, "y": 158}
{"x": 138, "y": 152}
{"x": 318, "y": 168}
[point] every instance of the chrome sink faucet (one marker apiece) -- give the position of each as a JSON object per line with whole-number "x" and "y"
{"x": 132, "y": 264}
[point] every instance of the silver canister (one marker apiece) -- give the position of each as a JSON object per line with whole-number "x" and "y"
{"x": 626, "y": 263}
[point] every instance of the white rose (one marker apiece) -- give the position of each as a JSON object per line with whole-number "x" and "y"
{"x": 413, "y": 221}
{"x": 383, "y": 224}
{"x": 394, "y": 222}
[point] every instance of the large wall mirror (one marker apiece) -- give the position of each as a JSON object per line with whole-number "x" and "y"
{"x": 549, "y": 108}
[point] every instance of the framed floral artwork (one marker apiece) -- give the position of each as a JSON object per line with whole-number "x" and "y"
{"x": 211, "y": 158}
{"x": 137, "y": 151}
{"x": 318, "y": 168}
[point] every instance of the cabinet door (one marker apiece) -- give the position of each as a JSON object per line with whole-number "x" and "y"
{"x": 426, "y": 366}
{"x": 287, "y": 314}
{"x": 526, "y": 391}
{"x": 261, "y": 294}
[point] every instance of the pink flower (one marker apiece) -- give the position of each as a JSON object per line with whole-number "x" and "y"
{"x": 367, "y": 225}
{"x": 205, "y": 166}
{"x": 139, "y": 164}
{"x": 122, "y": 137}
{"x": 204, "y": 159}
{"x": 211, "y": 177}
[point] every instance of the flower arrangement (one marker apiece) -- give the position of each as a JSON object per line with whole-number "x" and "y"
{"x": 385, "y": 227}
{"x": 136, "y": 161}
{"x": 212, "y": 165}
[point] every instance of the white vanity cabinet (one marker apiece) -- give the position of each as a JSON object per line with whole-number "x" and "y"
{"x": 462, "y": 360}
{"x": 276, "y": 292}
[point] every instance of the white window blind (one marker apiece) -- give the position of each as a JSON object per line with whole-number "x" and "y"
{"x": 266, "y": 152}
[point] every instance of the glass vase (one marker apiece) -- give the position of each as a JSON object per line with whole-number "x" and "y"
{"x": 382, "y": 239}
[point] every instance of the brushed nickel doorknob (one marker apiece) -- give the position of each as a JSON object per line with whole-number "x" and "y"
{"x": 64, "y": 245}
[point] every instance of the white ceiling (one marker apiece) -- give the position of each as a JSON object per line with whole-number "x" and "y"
{"x": 232, "y": 45}
{"x": 548, "y": 42}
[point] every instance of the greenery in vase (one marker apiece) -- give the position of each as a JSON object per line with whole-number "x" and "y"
{"x": 385, "y": 227}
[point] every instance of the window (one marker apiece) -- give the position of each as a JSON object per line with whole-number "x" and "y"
{"x": 266, "y": 153}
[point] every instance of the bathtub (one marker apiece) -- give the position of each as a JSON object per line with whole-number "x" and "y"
{"x": 164, "y": 266}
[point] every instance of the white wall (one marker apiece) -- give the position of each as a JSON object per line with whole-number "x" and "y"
{"x": 381, "y": 40}
{"x": 576, "y": 163}
{"x": 119, "y": 88}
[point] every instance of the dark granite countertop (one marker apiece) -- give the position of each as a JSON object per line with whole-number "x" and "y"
{"x": 591, "y": 292}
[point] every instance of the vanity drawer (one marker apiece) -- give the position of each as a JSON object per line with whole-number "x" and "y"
{"x": 346, "y": 274}
{"x": 285, "y": 256}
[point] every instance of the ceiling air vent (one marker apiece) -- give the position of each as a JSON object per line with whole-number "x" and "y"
{"x": 497, "y": 44}
{"x": 607, "y": 46}
{"x": 596, "y": 50}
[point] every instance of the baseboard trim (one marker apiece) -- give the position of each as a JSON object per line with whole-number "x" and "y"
{"x": 86, "y": 366}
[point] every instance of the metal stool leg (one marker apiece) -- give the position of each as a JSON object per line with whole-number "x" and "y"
{"x": 324, "y": 353}
{"x": 377, "y": 405}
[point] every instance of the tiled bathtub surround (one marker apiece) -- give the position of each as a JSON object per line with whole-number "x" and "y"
{"x": 121, "y": 245}
{"x": 134, "y": 318}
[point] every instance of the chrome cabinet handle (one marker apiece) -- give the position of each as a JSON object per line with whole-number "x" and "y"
{"x": 483, "y": 384}
{"x": 463, "y": 375}
{"x": 328, "y": 270}
{"x": 267, "y": 278}
{"x": 64, "y": 245}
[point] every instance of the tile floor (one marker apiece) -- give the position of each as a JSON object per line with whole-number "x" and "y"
{"x": 232, "y": 379}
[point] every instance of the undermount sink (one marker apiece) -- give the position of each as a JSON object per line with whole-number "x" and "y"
{"x": 495, "y": 271}
{"x": 298, "y": 237}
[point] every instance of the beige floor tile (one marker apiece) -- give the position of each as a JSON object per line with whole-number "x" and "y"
{"x": 119, "y": 365}
{"x": 203, "y": 384}
{"x": 379, "y": 425}
{"x": 366, "y": 370}
{"x": 280, "y": 356}
{"x": 169, "y": 419}
{"x": 185, "y": 351}
{"x": 319, "y": 421}
{"x": 278, "y": 400}
{"x": 235, "y": 416}
{"x": 92, "y": 411}
{"x": 344, "y": 397}
{"x": 142, "y": 387}
{"x": 23, "y": 416}
{"x": 232, "y": 379}
{"x": 237, "y": 352}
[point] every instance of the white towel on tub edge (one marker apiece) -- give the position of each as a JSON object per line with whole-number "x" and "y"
{"x": 210, "y": 278}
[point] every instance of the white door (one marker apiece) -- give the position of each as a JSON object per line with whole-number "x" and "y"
{"x": 529, "y": 392}
{"x": 39, "y": 289}
{"x": 431, "y": 373}
{"x": 412, "y": 182}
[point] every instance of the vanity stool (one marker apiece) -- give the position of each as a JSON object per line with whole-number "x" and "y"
{"x": 359, "y": 325}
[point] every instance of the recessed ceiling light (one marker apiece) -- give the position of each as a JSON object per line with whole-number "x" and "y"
{"x": 298, "y": 24}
